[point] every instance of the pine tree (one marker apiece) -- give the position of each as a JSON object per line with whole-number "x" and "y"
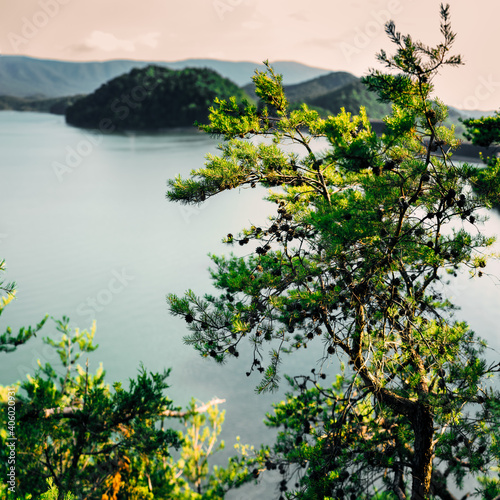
{"x": 363, "y": 237}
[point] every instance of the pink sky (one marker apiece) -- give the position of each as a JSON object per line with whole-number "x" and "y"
{"x": 332, "y": 34}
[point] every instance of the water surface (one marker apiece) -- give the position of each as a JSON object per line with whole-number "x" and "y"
{"x": 86, "y": 232}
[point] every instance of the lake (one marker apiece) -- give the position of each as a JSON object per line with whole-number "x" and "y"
{"x": 86, "y": 232}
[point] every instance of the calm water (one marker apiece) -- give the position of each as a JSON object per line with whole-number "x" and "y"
{"x": 86, "y": 232}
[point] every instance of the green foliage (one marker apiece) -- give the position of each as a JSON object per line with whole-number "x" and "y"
{"x": 485, "y": 132}
{"x": 348, "y": 441}
{"x": 152, "y": 98}
{"x": 7, "y": 288}
{"x": 53, "y": 492}
{"x": 190, "y": 477}
{"x": 268, "y": 86}
{"x": 364, "y": 235}
{"x": 329, "y": 93}
{"x": 76, "y": 433}
{"x": 487, "y": 181}
{"x": 110, "y": 443}
{"x": 8, "y": 340}
{"x": 72, "y": 427}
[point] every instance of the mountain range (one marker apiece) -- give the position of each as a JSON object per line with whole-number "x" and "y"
{"x": 32, "y": 84}
{"x": 22, "y": 76}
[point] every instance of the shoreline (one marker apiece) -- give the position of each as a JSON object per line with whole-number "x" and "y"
{"x": 465, "y": 152}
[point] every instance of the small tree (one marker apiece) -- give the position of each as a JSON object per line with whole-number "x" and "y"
{"x": 191, "y": 477}
{"x": 71, "y": 427}
{"x": 90, "y": 441}
{"x": 485, "y": 132}
{"x": 364, "y": 235}
{"x": 111, "y": 443}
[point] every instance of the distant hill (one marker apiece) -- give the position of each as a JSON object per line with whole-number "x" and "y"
{"x": 152, "y": 98}
{"x": 472, "y": 113}
{"x": 329, "y": 93}
{"x": 318, "y": 87}
{"x": 22, "y": 76}
{"x": 351, "y": 97}
{"x": 28, "y": 77}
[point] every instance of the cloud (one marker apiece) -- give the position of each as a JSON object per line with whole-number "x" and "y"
{"x": 107, "y": 42}
{"x": 150, "y": 39}
{"x": 300, "y": 15}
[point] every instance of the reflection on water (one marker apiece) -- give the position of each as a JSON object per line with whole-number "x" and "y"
{"x": 86, "y": 231}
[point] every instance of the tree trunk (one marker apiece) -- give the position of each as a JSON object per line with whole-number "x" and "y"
{"x": 423, "y": 427}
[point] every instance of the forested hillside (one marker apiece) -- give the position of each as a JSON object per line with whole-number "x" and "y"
{"x": 152, "y": 98}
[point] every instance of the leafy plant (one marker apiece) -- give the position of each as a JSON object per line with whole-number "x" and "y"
{"x": 103, "y": 443}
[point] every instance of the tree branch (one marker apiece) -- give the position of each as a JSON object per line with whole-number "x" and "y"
{"x": 70, "y": 411}
{"x": 198, "y": 409}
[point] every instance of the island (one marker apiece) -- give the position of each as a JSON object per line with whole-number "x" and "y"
{"x": 153, "y": 98}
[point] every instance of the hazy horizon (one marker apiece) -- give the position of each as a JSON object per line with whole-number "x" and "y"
{"x": 334, "y": 35}
{"x": 170, "y": 60}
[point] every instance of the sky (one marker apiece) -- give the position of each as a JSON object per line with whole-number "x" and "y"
{"x": 339, "y": 35}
